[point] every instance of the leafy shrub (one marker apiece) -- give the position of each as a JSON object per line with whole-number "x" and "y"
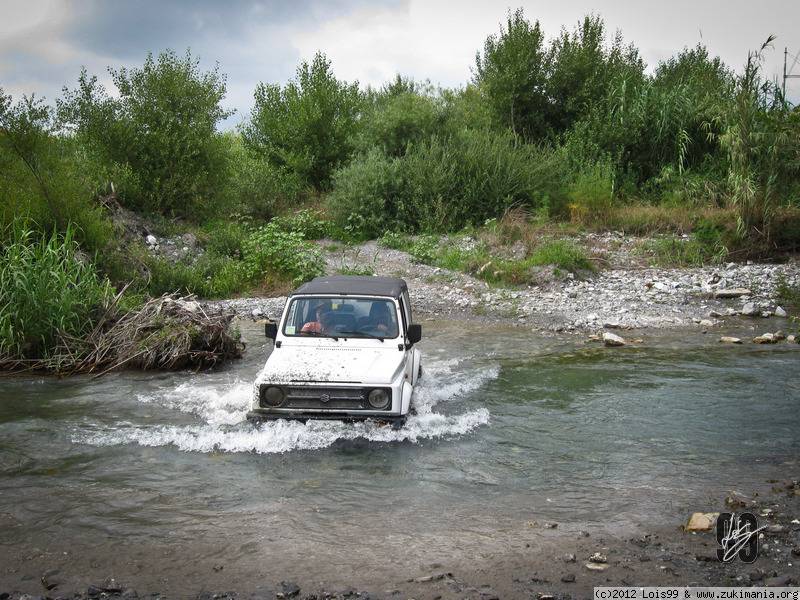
{"x": 424, "y": 248}
{"x": 395, "y": 240}
{"x": 592, "y": 193}
{"x": 306, "y": 222}
{"x": 398, "y": 121}
{"x": 225, "y": 238}
{"x": 212, "y": 276}
{"x": 157, "y": 136}
{"x": 272, "y": 251}
{"x": 513, "y": 70}
{"x": 307, "y": 126}
{"x": 46, "y": 178}
{"x": 47, "y": 291}
{"x": 255, "y": 187}
{"x": 444, "y": 184}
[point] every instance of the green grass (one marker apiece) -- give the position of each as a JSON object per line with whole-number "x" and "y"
{"x": 48, "y": 290}
{"x": 481, "y": 262}
{"x": 683, "y": 252}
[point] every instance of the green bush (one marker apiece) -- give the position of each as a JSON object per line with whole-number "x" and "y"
{"x": 255, "y": 187}
{"x": 48, "y": 291}
{"x": 212, "y": 276}
{"x": 444, "y": 184}
{"x": 395, "y": 240}
{"x": 306, "y": 222}
{"x": 157, "y": 136}
{"x": 307, "y": 126}
{"x": 271, "y": 251}
{"x": 513, "y": 71}
{"x": 46, "y": 179}
{"x": 398, "y": 121}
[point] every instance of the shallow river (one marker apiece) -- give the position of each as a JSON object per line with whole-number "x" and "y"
{"x": 159, "y": 476}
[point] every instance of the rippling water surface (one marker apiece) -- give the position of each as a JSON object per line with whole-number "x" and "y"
{"x": 511, "y": 427}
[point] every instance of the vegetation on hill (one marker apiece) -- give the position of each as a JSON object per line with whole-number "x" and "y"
{"x": 574, "y": 129}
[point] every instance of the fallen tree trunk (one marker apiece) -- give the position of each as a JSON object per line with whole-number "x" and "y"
{"x": 169, "y": 332}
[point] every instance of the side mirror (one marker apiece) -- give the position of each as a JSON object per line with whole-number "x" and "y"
{"x": 271, "y": 330}
{"x": 414, "y": 333}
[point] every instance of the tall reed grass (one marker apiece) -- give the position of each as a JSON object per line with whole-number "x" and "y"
{"x": 49, "y": 291}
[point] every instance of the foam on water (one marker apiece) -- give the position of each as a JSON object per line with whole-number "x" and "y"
{"x": 224, "y": 428}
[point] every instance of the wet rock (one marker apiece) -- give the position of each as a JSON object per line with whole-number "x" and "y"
{"x": 732, "y": 293}
{"x": 701, "y": 522}
{"x": 779, "y": 335}
{"x": 612, "y": 339}
{"x": 779, "y": 581}
{"x": 756, "y": 575}
{"x": 736, "y": 500}
{"x": 189, "y": 240}
{"x": 593, "y": 566}
{"x": 289, "y": 589}
{"x": 597, "y": 557}
{"x": 765, "y": 338}
{"x": 749, "y": 310}
{"x": 779, "y": 312}
{"x": 51, "y": 579}
{"x": 568, "y": 578}
{"x": 792, "y": 339}
{"x": 727, "y": 339}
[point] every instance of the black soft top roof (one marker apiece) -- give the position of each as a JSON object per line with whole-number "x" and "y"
{"x": 354, "y": 285}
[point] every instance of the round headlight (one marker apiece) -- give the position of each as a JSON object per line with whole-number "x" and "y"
{"x": 378, "y": 399}
{"x": 272, "y": 396}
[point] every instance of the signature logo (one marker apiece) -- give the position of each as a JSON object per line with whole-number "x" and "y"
{"x": 737, "y": 535}
{"x": 325, "y": 398}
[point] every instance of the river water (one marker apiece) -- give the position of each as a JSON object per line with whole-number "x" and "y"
{"x": 159, "y": 475}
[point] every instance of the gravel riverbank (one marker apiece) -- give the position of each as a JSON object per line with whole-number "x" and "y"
{"x": 626, "y": 295}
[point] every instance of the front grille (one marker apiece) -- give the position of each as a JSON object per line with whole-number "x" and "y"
{"x": 325, "y": 398}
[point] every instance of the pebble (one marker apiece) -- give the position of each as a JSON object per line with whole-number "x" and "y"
{"x": 568, "y": 578}
{"x": 779, "y": 312}
{"x": 765, "y": 338}
{"x": 727, "y": 339}
{"x": 611, "y": 339}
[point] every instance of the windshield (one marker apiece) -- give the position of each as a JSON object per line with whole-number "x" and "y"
{"x": 341, "y": 317}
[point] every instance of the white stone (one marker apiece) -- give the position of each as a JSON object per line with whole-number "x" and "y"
{"x": 151, "y": 240}
{"x": 749, "y": 309}
{"x": 779, "y": 312}
{"x": 611, "y": 339}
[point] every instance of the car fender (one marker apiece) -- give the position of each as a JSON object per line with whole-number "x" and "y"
{"x": 416, "y": 365}
{"x": 408, "y": 389}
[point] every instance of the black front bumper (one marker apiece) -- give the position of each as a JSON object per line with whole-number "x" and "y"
{"x": 255, "y": 416}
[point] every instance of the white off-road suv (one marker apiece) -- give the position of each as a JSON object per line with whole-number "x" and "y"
{"x": 344, "y": 349}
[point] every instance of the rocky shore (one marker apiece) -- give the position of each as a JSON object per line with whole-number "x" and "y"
{"x": 556, "y": 563}
{"x": 626, "y": 295}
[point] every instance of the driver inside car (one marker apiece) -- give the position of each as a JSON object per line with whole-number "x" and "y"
{"x": 317, "y": 325}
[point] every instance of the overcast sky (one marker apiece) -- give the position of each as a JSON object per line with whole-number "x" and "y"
{"x": 44, "y": 43}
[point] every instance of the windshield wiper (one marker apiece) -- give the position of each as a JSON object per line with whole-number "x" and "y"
{"x": 363, "y": 334}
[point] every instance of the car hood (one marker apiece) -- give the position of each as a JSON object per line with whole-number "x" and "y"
{"x": 334, "y": 364}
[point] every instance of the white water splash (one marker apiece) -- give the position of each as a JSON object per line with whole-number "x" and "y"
{"x": 223, "y": 412}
